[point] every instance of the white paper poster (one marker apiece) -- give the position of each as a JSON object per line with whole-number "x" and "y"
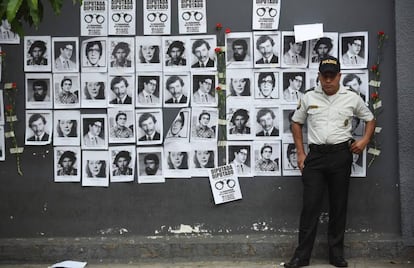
{"x": 224, "y": 184}
{"x": 266, "y": 14}
{"x": 94, "y": 18}
{"x": 157, "y": 17}
{"x": 192, "y": 16}
{"x": 122, "y": 17}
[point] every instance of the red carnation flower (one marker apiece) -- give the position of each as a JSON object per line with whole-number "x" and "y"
{"x": 9, "y": 107}
{"x": 374, "y": 68}
{"x": 228, "y": 30}
{"x": 218, "y": 88}
{"x": 219, "y": 26}
{"x": 218, "y": 50}
{"x": 374, "y": 95}
{"x": 380, "y": 33}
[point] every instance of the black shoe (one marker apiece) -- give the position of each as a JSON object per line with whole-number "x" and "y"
{"x": 296, "y": 262}
{"x": 338, "y": 261}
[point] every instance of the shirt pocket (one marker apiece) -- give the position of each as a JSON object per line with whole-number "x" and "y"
{"x": 344, "y": 119}
{"x": 317, "y": 117}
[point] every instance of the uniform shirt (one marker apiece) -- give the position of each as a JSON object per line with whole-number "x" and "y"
{"x": 329, "y": 118}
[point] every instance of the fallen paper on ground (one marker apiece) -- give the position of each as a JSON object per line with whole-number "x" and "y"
{"x": 69, "y": 264}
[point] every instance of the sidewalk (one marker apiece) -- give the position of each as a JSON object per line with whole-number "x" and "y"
{"x": 353, "y": 263}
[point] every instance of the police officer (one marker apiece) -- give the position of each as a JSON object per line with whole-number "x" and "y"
{"x": 328, "y": 109}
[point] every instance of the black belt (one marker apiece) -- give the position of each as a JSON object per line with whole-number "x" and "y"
{"x": 329, "y": 148}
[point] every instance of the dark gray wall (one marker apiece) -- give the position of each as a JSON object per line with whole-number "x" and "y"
{"x": 35, "y": 206}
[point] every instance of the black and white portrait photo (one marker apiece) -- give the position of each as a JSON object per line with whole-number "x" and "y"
{"x": 239, "y": 121}
{"x": 180, "y": 126}
{"x": 2, "y": 119}
{"x": 239, "y": 154}
{"x": 295, "y": 55}
{"x": 95, "y": 168}
{"x": 323, "y": 47}
{"x": 149, "y": 89}
{"x": 121, "y": 91}
{"x": 66, "y": 90}
{"x": 66, "y": 128}
{"x": 353, "y": 50}
{"x": 266, "y": 85}
{"x": 150, "y": 164}
{"x": 67, "y": 164}
{"x": 149, "y": 56}
{"x": 177, "y": 90}
{"x": 65, "y": 54}
{"x": 177, "y": 160}
{"x": 290, "y": 159}
{"x": 121, "y": 55}
{"x": 356, "y": 80}
{"x": 7, "y": 36}
{"x": 204, "y": 124}
{"x": 294, "y": 85}
{"x": 39, "y": 91}
{"x": 267, "y": 157}
{"x": 202, "y": 52}
{"x": 286, "y": 123}
{"x": 121, "y": 125}
{"x": 122, "y": 159}
{"x": 93, "y": 55}
{"x": 358, "y": 167}
{"x": 149, "y": 124}
{"x": 239, "y": 83}
{"x": 203, "y": 156}
{"x": 267, "y": 122}
{"x": 38, "y": 127}
{"x": 37, "y": 54}
{"x": 93, "y": 90}
{"x": 204, "y": 89}
{"x": 176, "y": 53}
{"x": 239, "y": 50}
{"x": 94, "y": 131}
{"x": 267, "y": 49}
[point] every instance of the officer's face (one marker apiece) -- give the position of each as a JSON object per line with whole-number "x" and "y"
{"x": 330, "y": 82}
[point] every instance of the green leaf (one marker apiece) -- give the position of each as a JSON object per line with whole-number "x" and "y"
{"x": 56, "y": 5}
{"x": 12, "y": 8}
{"x": 34, "y": 11}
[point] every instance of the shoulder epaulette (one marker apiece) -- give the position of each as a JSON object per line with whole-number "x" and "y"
{"x": 352, "y": 90}
{"x": 309, "y": 90}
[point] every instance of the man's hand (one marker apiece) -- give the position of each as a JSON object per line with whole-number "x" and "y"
{"x": 301, "y": 161}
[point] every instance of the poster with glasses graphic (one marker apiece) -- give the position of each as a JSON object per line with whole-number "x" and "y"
{"x": 94, "y": 18}
{"x": 157, "y": 17}
{"x": 224, "y": 184}
{"x": 192, "y": 16}
{"x": 266, "y": 15}
{"x": 121, "y": 16}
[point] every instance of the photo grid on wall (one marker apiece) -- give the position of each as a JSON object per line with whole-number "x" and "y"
{"x": 134, "y": 80}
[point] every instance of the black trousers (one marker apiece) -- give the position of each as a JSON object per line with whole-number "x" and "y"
{"x": 324, "y": 169}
